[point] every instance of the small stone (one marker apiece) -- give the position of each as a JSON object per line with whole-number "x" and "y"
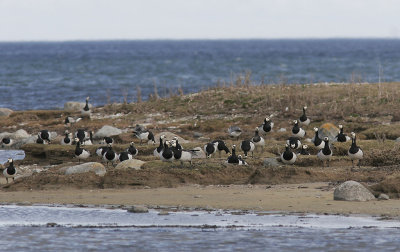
{"x": 282, "y": 130}
{"x": 138, "y": 209}
{"x": 197, "y": 134}
{"x": 130, "y": 164}
{"x": 271, "y": 162}
{"x": 383, "y": 196}
{"x": 163, "y": 213}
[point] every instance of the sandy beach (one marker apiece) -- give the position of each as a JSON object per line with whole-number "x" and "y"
{"x": 298, "y": 198}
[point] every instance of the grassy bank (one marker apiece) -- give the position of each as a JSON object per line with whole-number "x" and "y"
{"x": 370, "y": 110}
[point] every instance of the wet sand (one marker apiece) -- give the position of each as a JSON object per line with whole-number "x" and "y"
{"x": 306, "y": 197}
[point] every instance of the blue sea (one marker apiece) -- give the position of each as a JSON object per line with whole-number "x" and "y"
{"x": 45, "y": 75}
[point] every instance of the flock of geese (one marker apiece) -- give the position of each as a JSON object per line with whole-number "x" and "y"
{"x": 171, "y": 150}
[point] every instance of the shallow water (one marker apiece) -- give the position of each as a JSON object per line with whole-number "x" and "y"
{"x": 14, "y": 154}
{"x": 96, "y": 229}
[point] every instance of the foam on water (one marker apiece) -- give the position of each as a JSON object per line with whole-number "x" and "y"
{"x": 11, "y": 215}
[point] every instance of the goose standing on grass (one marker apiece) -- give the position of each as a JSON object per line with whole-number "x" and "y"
{"x": 182, "y": 155}
{"x": 221, "y": 146}
{"x": 234, "y": 131}
{"x": 166, "y": 154}
{"x": 79, "y": 152}
{"x": 101, "y": 150}
{"x": 304, "y": 120}
{"x": 144, "y": 135}
{"x": 210, "y": 148}
{"x": 81, "y": 134}
{"x": 297, "y": 131}
{"x": 175, "y": 139}
{"x": 70, "y": 120}
{"x": 341, "y": 137}
{"x": 157, "y": 151}
{"x": 266, "y": 126}
{"x": 86, "y": 110}
{"x": 88, "y": 140}
{"x": 325, "y": 154}
{"x": 6, "y": 142}
{"x": 241, "y": 161}
{"x": 258, "y": 140}
{"x": 67, "y": 140}
{"x": 318, "y": 141}
{"x": 304, "y": 150}
{"x": 124, "y": 156}
{"x": 10, "y": 171}
{"x": 44, "y": 135}
{"x": 132, "y": 149}
{"x": 294, "y": 141}
{"x": 247, "y": 146}
{"x": 233, "y": 159}
{"x": 40, "y": 140}
{"x": 288, "y": 156}
{"x": 110, "y": 156}
{"x": 107, "y": 140}
{"x": 355, "y": 152}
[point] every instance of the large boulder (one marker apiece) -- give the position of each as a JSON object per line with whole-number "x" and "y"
{"x": 107, "y": 131}
{"x": 352, "y": 191}
{"x": 75, "y": 106}
{"x": 169, "y": 136}
{"x": 130, "y": 164}
{"x": 95, "y": 167}
{"x": 328, "y": 130}
{"x": 5, "y": 111}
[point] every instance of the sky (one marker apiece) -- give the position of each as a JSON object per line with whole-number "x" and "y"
{"x": 60, "y": 20}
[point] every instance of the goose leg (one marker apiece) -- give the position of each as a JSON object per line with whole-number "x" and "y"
{"x": 7, "y": 180}
{"x": 352, "y": 163}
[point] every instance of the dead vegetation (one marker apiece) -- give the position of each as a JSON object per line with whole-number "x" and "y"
{"x": 370, "y": 110}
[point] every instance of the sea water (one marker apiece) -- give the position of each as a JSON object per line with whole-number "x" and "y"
{"x": 45, "y": 75}
{"x": 60, "y": 228}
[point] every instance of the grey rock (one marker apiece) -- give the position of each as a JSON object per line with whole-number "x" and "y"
{"x": 271, "y": 162}
{"x": 383, "y": 196}
{"x": 197, "y": 134}
{"x": 282, "y": 130}
{"x": 130, "y": 164}
{"x": 169, "y": 136}
{"x": 138, "y": 209}
{"x": 198, "y": 153}
{"x": 95, "y": 167}
{"x": 352, "y": 191}
{"x": 5, "y": 111}
{"x": 75, "y": 106}
{"x": 107, "y": 131}
{"x": 328, "y": 130}
{"x": 53, "y": 135}
{"x": 20, "y": 134}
